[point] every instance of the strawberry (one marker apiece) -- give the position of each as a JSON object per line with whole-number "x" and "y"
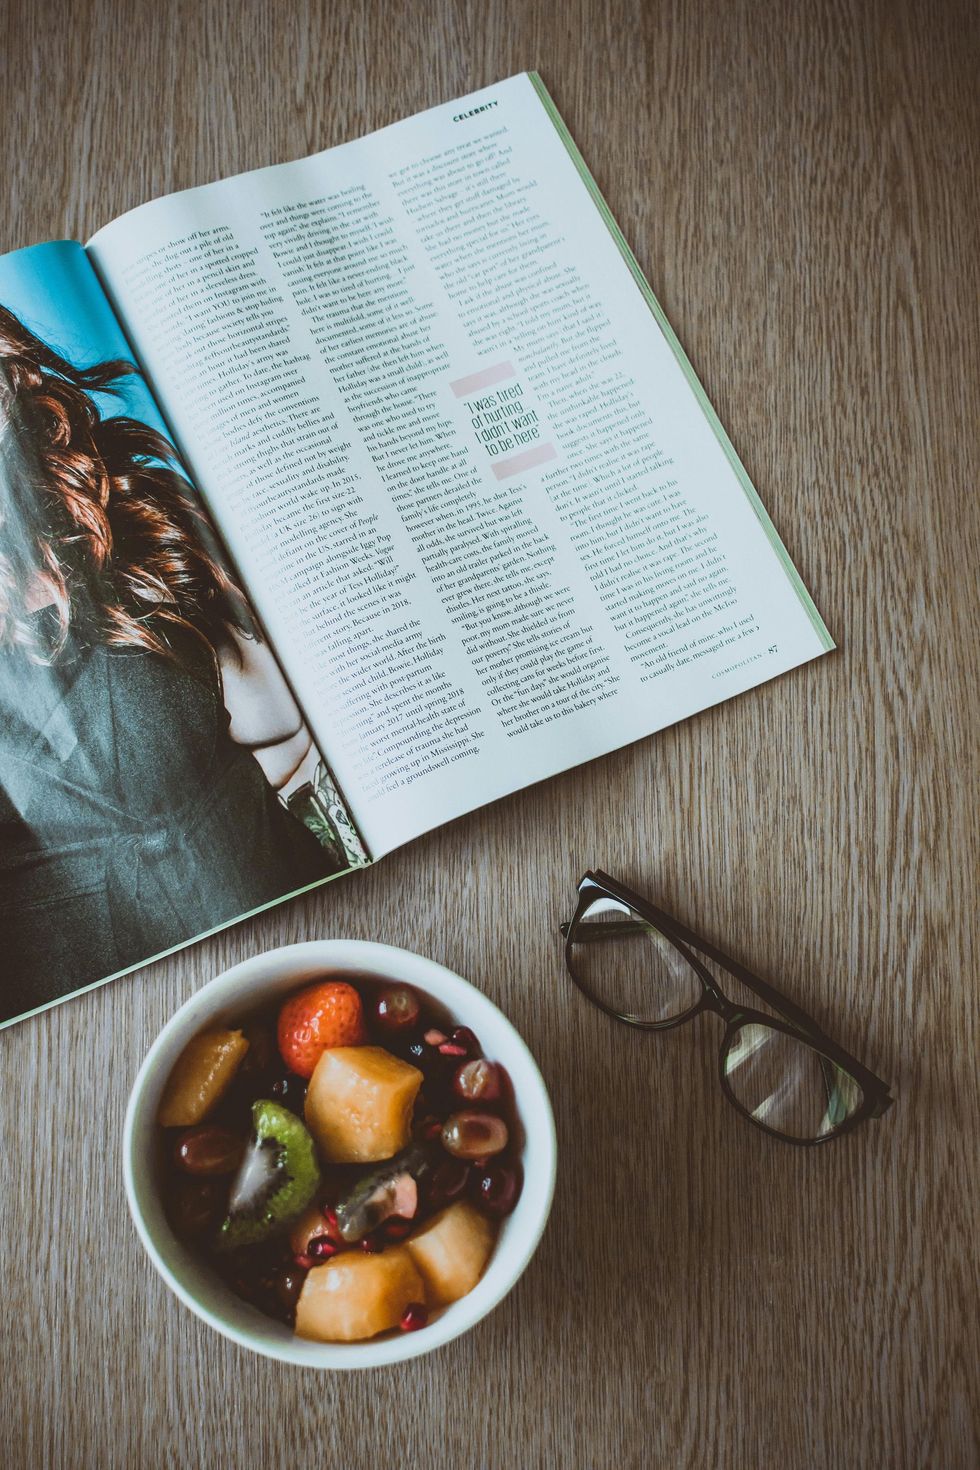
{"x": 325, "y": 1015}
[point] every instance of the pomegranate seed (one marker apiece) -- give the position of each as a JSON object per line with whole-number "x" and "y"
{"x": 330, "y": 1216}
{"x": 452, "y": 1049}
{"x": 304, "y": 1262}
{"x": 397, "y": 1229}
{"x": 432, "y": 1129}
{"x": 371, "y": 1245}
{"x": 322, "y": 1248}
{"x": 415, "y": 1315}
{"x": 435, "y": 1037}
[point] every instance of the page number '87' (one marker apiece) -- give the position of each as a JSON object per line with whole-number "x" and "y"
{"x": 772, "y": 648}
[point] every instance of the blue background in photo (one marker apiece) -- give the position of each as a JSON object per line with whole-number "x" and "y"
{"x": 55, "y": 292}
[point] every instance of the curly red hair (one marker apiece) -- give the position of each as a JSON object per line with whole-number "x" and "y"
{"x": 98, "y": 523}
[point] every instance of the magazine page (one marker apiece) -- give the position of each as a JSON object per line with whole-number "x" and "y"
{"x": 481, "y": 501}
{"x": 157, "y": 778}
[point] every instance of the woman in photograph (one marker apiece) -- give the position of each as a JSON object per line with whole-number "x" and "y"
{"x": 145, "y": 728}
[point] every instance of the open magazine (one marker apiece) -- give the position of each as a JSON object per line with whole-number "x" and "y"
{"x": 336, "y": 500}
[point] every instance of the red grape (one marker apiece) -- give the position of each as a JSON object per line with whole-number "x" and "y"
{"x": 397, "y": 1008}
{"x": 289, "y": 1284}
{"x": 478, "y": 1081}
{"x": 496, "y": 1189}
{"x": 473, "y": 1135}
{"x": 208, "y": 1150}
{"x": 464, "y": 1037}
{"x": 196, "y": 1206}
{"x": 448, "y": 1182}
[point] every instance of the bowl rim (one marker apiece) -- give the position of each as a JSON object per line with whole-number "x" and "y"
{"x": 373, "y": 960}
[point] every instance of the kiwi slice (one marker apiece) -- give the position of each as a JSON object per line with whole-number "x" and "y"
{"x": 276, "y": 1180}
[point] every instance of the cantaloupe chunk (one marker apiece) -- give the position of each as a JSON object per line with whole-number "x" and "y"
{"x": 359, "y": 1104}
{"x": 450, "y": 1251}
{"x": 201, "y": 1073}
{"x": 356, "y": 1296}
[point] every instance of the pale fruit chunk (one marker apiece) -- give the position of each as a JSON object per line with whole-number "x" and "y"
{"x": 359, "y": 1104}
{"x": 356, "y": 1296}
{"x": 201, "y": 1073}
{"x": 451, "y": 1251}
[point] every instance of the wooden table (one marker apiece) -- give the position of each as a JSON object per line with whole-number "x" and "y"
{"x": 800, "y": 183}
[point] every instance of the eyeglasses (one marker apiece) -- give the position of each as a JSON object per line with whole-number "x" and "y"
{"x": 784, "y": 1074}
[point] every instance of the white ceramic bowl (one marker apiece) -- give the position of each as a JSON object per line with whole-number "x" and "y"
{"x": 223, "y": 1002}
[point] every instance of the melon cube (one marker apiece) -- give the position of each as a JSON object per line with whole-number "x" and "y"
{"x": 359, "y": 1104}
{"x": 450, "y": 1251}
{"x": 355, "y": 1296}
{"x": 200, "y": 1077}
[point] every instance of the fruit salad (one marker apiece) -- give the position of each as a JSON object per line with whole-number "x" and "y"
{"x": 344, "y": 1160}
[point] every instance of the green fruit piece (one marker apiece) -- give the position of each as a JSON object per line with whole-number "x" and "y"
{"x": 278, "y": 1177}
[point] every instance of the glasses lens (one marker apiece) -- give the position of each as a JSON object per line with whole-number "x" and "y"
{"x": 627, "y": 965}
{"x": 787, "y": 1085}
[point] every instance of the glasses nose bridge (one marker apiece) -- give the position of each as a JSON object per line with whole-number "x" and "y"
{"x": 713, "y": 997}
{"x": 717, "y": 1004}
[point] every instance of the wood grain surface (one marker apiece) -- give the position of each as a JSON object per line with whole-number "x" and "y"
{"x": 801, "y": 185}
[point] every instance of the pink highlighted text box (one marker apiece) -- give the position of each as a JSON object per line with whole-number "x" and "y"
{"x": 526, "y": 460}
{"x": 486, "y": 378}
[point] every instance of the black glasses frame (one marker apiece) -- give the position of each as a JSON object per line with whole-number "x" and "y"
{"x": 792, "y": 1020}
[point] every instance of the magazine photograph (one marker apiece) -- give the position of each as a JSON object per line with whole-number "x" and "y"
{"x": 157, "y": 778}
